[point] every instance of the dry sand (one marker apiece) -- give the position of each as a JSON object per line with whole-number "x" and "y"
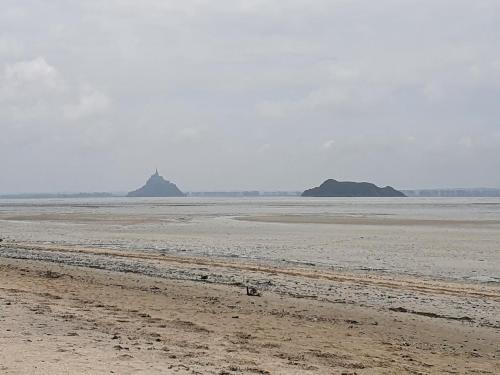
{"x": 60, "y": 319}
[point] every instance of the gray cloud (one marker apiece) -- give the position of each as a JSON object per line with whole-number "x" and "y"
{"x": 248, "y": 94}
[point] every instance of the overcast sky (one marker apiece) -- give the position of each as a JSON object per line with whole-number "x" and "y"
{"x": 256, "y": 94}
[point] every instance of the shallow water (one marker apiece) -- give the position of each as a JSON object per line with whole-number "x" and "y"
{"x": 439, "y": 238}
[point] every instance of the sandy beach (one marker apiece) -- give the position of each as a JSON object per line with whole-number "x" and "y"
{"x": 73, "y": 305}
{"x": 61, "y": 319}
{"x": 64, "y": 319}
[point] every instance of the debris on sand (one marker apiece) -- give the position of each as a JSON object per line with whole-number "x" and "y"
{"x": 51, "y": 275}
{"x": 432, "y": 315}
{"x": 252, "y": 292}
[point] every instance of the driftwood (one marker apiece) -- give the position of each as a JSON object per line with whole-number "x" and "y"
{"x": 252, "y": 292}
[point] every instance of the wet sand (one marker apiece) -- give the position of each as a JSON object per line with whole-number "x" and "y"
{"x": 364, "y": 220}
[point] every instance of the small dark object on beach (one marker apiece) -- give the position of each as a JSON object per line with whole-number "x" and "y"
{"x": 252, "y": 292}
{"x": 398, "y": 309}
{"x": 1, "y": 239}
{"x": 52, "y": 275}
{"x": 204, "y": 277}
{"x": 349, "y": 321}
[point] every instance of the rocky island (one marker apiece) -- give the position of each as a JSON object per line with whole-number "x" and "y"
{"x": 334, "y": 188}
{"x": 157, "y": 186}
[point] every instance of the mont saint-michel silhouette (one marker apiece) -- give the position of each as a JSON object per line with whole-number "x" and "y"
{"x": 157, "y": 186}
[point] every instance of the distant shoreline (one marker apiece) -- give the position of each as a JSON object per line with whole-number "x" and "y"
{"x": 424, "y": 193}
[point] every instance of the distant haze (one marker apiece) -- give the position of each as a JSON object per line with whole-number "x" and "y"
{"x": 228, "y": 94}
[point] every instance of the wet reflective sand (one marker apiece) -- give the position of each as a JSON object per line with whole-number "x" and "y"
{"x": 436, "y": 238}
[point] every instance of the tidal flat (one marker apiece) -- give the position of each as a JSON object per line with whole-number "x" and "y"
{"x": 365, "y": 286}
